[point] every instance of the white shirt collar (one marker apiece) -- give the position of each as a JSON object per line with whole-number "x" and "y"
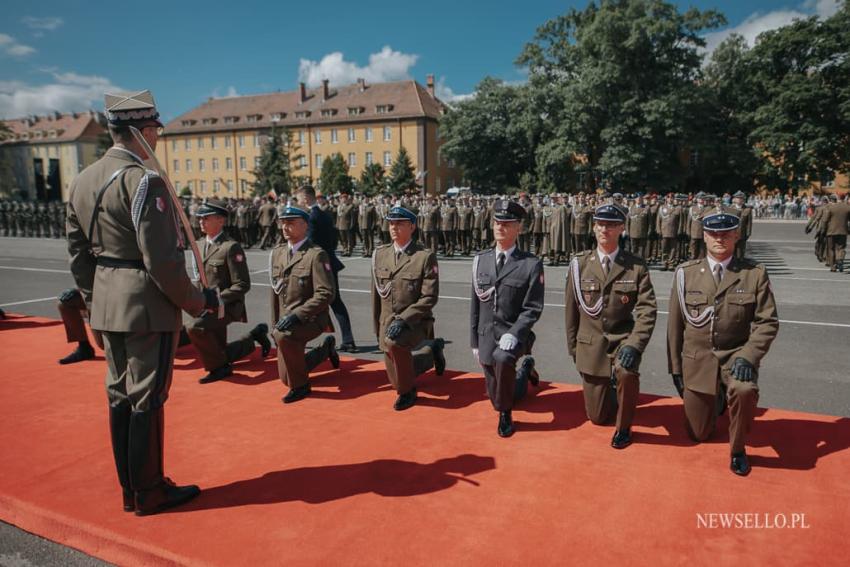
{"x": 134, "y": 156}
{"x": 294, "y": 247}
{"x": 611, "y": 257}
{"x": 211, "y": 240}
{"x": 712, "y": 262}
{"x": 402, "y": 248}
{"x": 508, "y": 253}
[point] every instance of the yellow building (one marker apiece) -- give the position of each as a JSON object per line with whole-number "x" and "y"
{"x": 43, "y": 154}
{"x": 213, "y": 149}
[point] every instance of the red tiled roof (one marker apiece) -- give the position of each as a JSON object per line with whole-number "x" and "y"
{"x": 408, "y": 99}
{"x": 71, "y": 127}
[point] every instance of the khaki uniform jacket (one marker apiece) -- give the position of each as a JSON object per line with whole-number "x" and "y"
{"x": 464, "y": 218}
{"x": 816, "y": 222}
{"x": 835, "y": 218}
{"x": 627, "y": 317}
{"x": 667, "y": 221}
{"x": 431, "y": 218}
{"x": 344, "y": 216}
{"x": 637, "y": 222}
{"x": 267, "y": 214}
{"x": 694, "y": 221}
{"x": 744, "y": 325}
{"x": 745, "y": 213}
{"x": 303, "y": 285}
{"x": 414, "y": 288}
{"x": 367, "y": 216}
{"x": 137, "y": 222}
{"x": 480, "y": 218}
{"x": 227, "y": 270}
{"x": 581, "y": 219}
{"x": 559, "y": 229}
{"x": 449, "y": 219}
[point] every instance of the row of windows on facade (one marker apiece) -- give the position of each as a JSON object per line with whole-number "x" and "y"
{"x": 300, "y": 114}
{"x": 243, "y": 185}
{"x": 369, "y": 159}
{"x": 200, "y": 142}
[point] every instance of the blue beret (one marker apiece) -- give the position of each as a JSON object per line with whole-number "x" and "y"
{"x": 719, "y": 222}
{"x": 400, "y": 214}
{"x": 610, "y": 213}
{"x": 291, "y": 212}
{"x": 212, "y": 207}
{"x": 505, "y": 210}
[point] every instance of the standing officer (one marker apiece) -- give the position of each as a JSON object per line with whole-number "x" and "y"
{"x": 637, "y": 228}
{"x": 559, "y": 237}
{"x": 722, "y": 321}
{"x": 226, "y": 269}
{"x": 406, "y": 286}
{"x": 448, "y": 227}
{"x": 745, "y": 213}
{"x": 507, "y": 300}
{"x": 266, "y": 218}
{"x": 367, "y": 217}
{"x": 432, "y": 221}
{"x": 345, "y": 223}
{"x": 479, "y": 224}
{"x": 193, "y": 218}
{"x": 464, "y": 227}
{"x": 302, "y": 291}
{"x": 668, "y": 221}
{"x": 694, "y": 223}
{"x": 610, "y": 315}
{"x": 580, "y": 224}
{"x": 127, "y": 259}
{"x": 835, "y": 220}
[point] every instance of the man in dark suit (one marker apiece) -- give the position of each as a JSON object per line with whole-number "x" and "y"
{"x": 323, "y": 232}
{"x": 507, "y": 299}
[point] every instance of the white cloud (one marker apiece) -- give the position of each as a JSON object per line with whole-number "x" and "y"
{"x": 386, "y": 65}
{"x": 231, "y": 91}
{"x": 758, "y": 23}
{"x": 69, "y": 92}
{"x": 446, "y": 94}
{"x": 10, "y": 46}
{"x": 48, "y": 24}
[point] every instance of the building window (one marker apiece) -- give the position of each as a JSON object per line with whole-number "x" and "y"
{"x": 352, "y": 159}
{"x": 302, "y": 161}
{"x": 256, "y": 140}
{"x": 351, "y": 136}
{"x": 253, "y": 118}
{"x": 301, "y": 137}
{"x": 388, "y": 134}
{"x": 213, "y": 142}
{"x": 369, "y": 158}
{"x": 215, "y": 164}
{"x": 187, "y": 144}
{"x": 355, "y": 110}
{"x": 200, "y": 143}
{"x": 173, "y": 145}
{"x": 368, "y": 134}
{"x": 278, "y": 116}
{"x": 243, "y": 185}
{"x": 228, "y": 164}
{"x": 317, "y": 136}
{"x": 256, "y": 162}
{"x": 203, "y": 185}
{"x": 243, "y": 164}
{"x": 191, "y": 186}
{"x": 188, "y": 165}
{"x": 302, "y": 114}
{"x": 318, "y": 160}
{"x": 177, "y": 165}
{"x": 241, "y": 141}
{"x": 227, "y": 141}
{"x": 231, "y": 119}
{"x": 383, "y": 108}
{"x": 208, "y": 121}
{"x": 328, "y": 112}
{"x": 202, "y": 164}
{"x": 388, "y": 159}
{"x": 216, "y": 185}
{"x": 334, "y": 136}
{"x": 230, "y": 186}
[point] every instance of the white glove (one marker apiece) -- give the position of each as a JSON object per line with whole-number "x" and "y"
{"x": 475, "y": 354}
{"x": 508, "y": 342}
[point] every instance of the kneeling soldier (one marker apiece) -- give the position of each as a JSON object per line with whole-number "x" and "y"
{"x": 226, "y": 269}
{"x": 610, "y": 314}
{"x": 507, "y": 299}
{"x": 404, "y": 292}
{"x": 302, "y": 291}
{"x": 721, "y": 324}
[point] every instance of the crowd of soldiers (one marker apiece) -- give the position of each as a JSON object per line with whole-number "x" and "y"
{"x": 29, "y": 219}
{"x": 830, "y": 224}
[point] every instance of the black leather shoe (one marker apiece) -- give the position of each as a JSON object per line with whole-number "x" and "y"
{"x": 439, "y": 357}
{"x": 333, "y": 355}
{"x": 740, "y": 465}
{"x": 217, "y": 374}
{"x": 129, "y": 500}
{"x": 621, "y": 439}
{"x": 296, "y": 394}
{"x": 506, "y": 424}
{"x": 405, "y": 401}
{"x": 260, "y": 333}
{"x": 347, "y": 347}
{"x": 81, "y": 353}
{"x": 529, "y": 370}
{"x": 166, "y": 495}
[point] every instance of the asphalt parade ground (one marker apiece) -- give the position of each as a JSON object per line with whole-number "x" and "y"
{"x": 807, "y": 369}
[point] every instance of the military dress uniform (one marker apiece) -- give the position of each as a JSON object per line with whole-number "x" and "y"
{"x": 696, "y": 249}
{"x": 507, "y": 300}
{"x": 559, "y": 238}
{"x": 405, "y": 289}
{"x": 721, "y": 320}
{"x": 302, "y": 289}
{"x": 610, "y": 312}
{"x": 346, "y": 226}
{"x": 266, "y": 215}
{"x": 366, "y": 221}
{"x": 745, "y": 214}
{"x": 667, "y": 223}
{"x": 226, "y": 268}
{"x": 126, "y": 256}
{"x": 637, "y": 229}
{"x": 448, "y": 228}
{"x": 835, "y": 221}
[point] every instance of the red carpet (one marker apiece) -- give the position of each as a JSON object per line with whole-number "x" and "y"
{"x": 341, "y": 478}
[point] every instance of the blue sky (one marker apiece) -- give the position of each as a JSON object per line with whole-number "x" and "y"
{"x": 62, "y": 55}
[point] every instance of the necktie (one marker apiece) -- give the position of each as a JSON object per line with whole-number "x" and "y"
{"x": 718, "y": 273}
{"x": 500, "y": 263}
{"x": 606, "y": 265}
{"x": 397, "y": 256}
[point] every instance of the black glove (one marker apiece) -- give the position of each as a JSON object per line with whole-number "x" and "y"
{"x": 808, "y": 229}
{"x": 395, "y": 329}
{"x": 629, "y": 358}
{"x": 679, "y": 383}
{"x": 210, "y": 299}
{"x": 68, "y": 294}
{"x": 742, "y": 370}
{"x": 287, "y": 322}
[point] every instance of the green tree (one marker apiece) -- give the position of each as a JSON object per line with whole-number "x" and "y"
{"x": 334, "y": 177}
{"x": 618, "y": 82}
{"x": 372, "y": 180}
{"x": 402, "y": 177}
{"x": 275, "y": 170}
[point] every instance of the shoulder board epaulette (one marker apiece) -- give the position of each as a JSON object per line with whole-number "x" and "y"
{"x": 582, "y": 253}
{"x": 689, "y": 263}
